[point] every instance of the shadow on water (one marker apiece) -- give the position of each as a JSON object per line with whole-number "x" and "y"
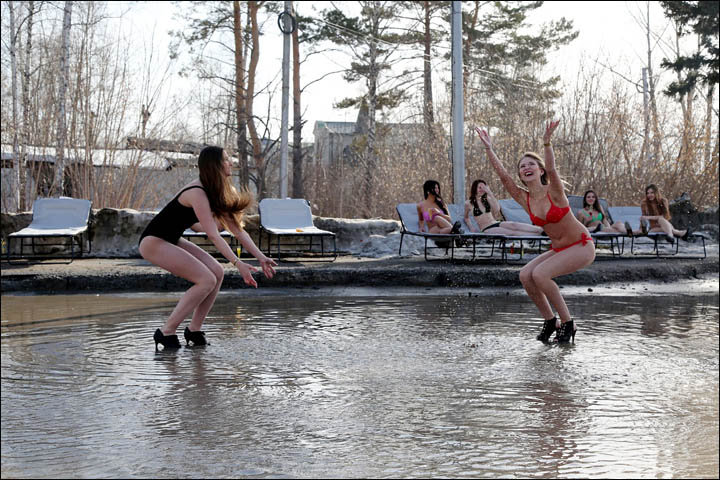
{"x": 321, "y": 386}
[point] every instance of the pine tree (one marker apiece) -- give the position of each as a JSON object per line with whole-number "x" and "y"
{"x": 700, "y": 18}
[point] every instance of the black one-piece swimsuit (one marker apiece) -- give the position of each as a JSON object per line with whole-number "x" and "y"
{"x": 170, "y": 223}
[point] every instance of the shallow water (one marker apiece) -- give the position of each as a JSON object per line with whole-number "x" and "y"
{"x": 309, "y": 385}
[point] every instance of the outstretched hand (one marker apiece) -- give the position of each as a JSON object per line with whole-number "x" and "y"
{"x": 246, "y": 272}
{"x": 267, "y": 265}
{"x": 549, "y": 129}
{"x": 484, "y": 137}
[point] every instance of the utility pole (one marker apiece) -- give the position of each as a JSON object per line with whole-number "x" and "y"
{"x": 286, "y": 27}
{"x": 458, "y": 148}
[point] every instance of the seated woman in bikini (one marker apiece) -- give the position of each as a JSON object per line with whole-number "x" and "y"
{"x": 594, "y": 218}
{"x": 656, "y": 211}
{"x": 487, "y": 209}
{"x": 572, "y": 246}
{"x": 433, "y": 216}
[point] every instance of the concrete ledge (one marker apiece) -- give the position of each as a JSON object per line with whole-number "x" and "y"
{"x": 137, "y": 275}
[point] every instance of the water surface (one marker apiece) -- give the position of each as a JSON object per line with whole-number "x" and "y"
{"x": 361, "y": 386}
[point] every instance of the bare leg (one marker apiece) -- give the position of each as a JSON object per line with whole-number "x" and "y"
{"x": 214, "y": 266}
{"x": 562, "y": 263}
{"x": 532, "y": 289}
{"x": 669, "y": 229}
{"x": 513, "y": 231}
{"x": 441, "y": 226}
{"x": 522, "y": 228}
{"x": 181, "y": 263}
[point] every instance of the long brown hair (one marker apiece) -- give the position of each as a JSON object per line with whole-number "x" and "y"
{"x": 224, "y": 200}
{"x": 483, "y": 198}
{"x": 658, "y": 206}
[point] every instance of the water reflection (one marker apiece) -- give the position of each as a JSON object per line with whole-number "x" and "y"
{"x": 360, "y": 387}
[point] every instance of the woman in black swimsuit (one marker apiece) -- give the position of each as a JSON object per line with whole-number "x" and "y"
{"x": 203, "y": 204}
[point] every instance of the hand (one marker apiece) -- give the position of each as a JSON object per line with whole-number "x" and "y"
{"x": 549, "y": 129}
{"x": 267, "y": 265}
{"x": 484, "y": 137}
{"x": 246, "y": 272}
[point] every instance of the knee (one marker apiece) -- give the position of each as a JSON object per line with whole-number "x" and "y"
{"x": 219, "y": 273}
{"x": 538, "y": 278}
{"x": 208, "y": 282}
{"x": 526, "y": 277}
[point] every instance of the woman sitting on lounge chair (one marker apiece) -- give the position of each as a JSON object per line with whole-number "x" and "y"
{"x": 595, "y": 219}
{"x": 656, "y": 210}
{"x": 433, "y": 216}
{"x": 487, "y": 209}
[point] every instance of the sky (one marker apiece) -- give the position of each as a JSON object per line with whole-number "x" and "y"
{"x": 609, "y": 32}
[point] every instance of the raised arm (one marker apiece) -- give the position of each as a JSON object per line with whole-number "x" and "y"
{"x": 494, "y": 204}
{"x": 556, "y": 185}
{"x": 505, "y": 178}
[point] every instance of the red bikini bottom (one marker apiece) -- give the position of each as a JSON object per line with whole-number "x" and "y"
{"x": 584, "y": 240}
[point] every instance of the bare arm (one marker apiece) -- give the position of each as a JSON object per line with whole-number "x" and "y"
{"x": 197, "y": 198}
{"x": 468, "y": 209}
{"x": 556, "y": 186}
{"x": 421, "y": 219}
{"x": 494, "y": 205}
{"x": 505, "y": 178}
{"x": 266, "y": 263}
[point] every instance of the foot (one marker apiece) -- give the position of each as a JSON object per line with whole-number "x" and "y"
{"x": 197, "y": 338}
{"x": 549, "y": 327}
{"x": 686, "y": 235}
{"x": 566, "y": 332}
{"x": 167, "y": 341}
{"x": 670, "y": 239}
{"x": 456, "y": 228}
{"x": 628, "y": 229}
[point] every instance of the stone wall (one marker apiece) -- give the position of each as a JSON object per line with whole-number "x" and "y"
{"x": 115, "y": 232}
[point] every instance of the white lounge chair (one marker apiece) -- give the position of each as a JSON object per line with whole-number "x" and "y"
{"x": 410, "y": 226}
{"x": 195, "y": 236}
{"x": 54, "y": 218}
{"x": 291, "y": 219}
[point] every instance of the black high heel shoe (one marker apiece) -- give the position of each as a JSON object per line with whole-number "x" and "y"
{"x": 547, "y": 330}
{"x": 197, "y": 338}
{"x": 168, "y": 341}
{"x": 566, "y": 332}
{"x": 686, "y": 237}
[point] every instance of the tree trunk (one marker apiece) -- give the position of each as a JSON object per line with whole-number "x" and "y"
{"x": 653, "y": 104}
{"x": 17, "y": 163}
{"x": 297, "y": 186}
{"x": 240, "y": 109}
{"x": 428, "y": 113}
{"x": 707, "y": 137}
{"x": 254, "y": 137}
{"x": 64, "y": 76}
{"x": 25, "y": 132}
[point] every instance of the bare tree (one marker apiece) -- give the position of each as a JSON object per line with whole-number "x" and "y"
{"x": 62, "y": 89}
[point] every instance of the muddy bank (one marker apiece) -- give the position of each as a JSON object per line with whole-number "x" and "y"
{"x": 137, "y": 275}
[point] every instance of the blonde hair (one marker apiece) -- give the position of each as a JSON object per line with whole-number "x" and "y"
{"x": 540, "y": 162}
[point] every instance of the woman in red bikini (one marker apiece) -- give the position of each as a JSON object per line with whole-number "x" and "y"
{"x": 572, "y": 246}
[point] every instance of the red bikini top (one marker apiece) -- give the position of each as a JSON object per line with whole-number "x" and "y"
{"x": 554, "y": 214}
